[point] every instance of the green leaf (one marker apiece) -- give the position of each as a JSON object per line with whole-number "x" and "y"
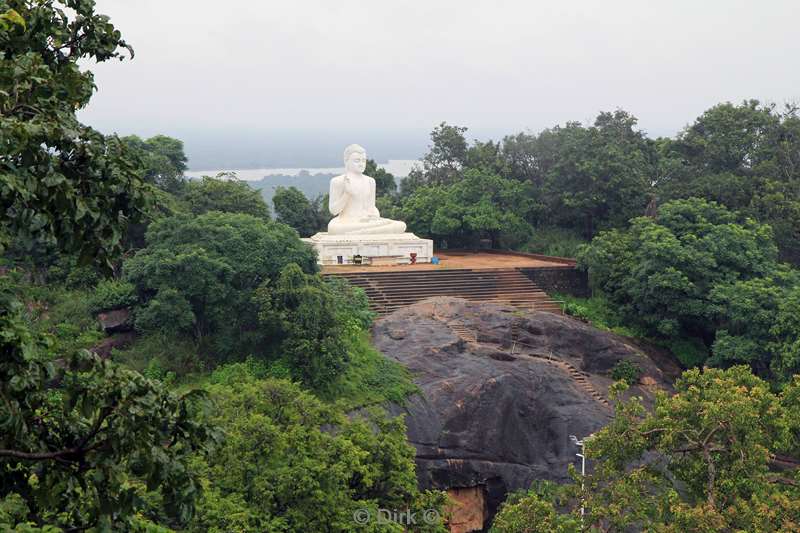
{"x": 15, "y": 18}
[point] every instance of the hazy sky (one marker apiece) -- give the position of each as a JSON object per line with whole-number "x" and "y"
{"x": 289, "y": 83}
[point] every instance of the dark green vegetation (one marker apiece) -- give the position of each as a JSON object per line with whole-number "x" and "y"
{"x": 550, "y": 191}
{"x": 151, "y": 439}
{"x": 712, "y": 457}
{"x": 700, "y": 273}
{"x": 695, "y": 240}
{"x": 228, "y": 408}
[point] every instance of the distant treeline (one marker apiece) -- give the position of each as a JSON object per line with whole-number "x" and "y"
{"x": 575, "y": 180}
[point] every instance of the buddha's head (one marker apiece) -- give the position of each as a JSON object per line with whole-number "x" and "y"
{"x": 355, "y": 159}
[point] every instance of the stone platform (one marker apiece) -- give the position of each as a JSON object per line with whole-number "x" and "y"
{"x": 396, "y": 248}
{"x": 464, "y": 259}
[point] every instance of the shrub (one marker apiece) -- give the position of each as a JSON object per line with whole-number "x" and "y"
{"x": 558, "y": 242}
{"x": 626, "y": 371}
{"x": 112, "y": 294}
{"x": 690, "y": 352}
{"x": 172, "y": 353}
{"x": 576, "y": 310}
{"x": 168, "y": 312}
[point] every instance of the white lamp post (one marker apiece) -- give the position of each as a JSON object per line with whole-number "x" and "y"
{"x": 582, "y": 455}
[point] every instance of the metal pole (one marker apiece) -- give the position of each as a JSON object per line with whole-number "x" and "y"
{"x": 582, "y": 455}
{"x": 583, "y": 477}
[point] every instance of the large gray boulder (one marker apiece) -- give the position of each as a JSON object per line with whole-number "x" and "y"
{"x": 502, "y": 391}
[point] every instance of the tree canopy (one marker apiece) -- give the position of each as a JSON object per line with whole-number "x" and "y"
{"x": 281, "y": 470}
{"x": 162, "y": 159}
{"x": 226, "y": 194}
{"x": 83, "y": 440}
{"x": 700, "y": 270}
{"x": 295, "y": 210}
{"x": 711, "y": 457}
{"x": 206, "y": 268}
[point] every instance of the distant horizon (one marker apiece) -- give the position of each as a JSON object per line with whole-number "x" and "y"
{"x": 257, "y": 149}
{"x": 399, "y": 168}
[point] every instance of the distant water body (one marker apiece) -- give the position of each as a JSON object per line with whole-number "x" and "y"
{"x": 398, "y": 167}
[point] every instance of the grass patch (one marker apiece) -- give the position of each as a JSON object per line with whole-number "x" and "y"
{"x": 64, "y": 315}
{"x": 370, "y": 379}
{"x": 599, "y": 313}
{"x": 558, "y": 242}
{"x": 690, "y": 352}
{"x": 165, "y": 357}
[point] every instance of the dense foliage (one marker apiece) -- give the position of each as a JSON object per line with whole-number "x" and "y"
{"x": 481, "y": 205}
{"x": 226, "y": 194}
{"x": 82, "y": 440}
{"x": 295, "y": 210}
{"x": 711, "y": 457}
{"x": 162, "y": 160}
{"x": 198, "y": 275}
{"x": 280, "y": 469}
{"x": 59, "y": 177}
{"x": 688, "y": 237}
{"x": 698, "y": 270}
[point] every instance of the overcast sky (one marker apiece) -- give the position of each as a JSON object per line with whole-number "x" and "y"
{"x": 289, "y": 83}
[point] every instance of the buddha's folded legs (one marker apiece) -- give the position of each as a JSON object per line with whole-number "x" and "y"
{"x": 376, "y": 227}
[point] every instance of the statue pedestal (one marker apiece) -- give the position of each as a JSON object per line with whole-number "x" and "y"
{"x": 393, "y": 248}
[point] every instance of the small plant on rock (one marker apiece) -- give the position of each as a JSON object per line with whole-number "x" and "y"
{"x": 626, "y": 371}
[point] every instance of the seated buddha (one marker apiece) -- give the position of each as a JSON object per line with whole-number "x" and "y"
{"x": 352, "y": 200}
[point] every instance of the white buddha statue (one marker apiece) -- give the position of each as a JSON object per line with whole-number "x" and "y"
{"x": 352, "y": 200}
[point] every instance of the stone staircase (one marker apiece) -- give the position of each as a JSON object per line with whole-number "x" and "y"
{"x": 463, "y": 332}
{"x": 389, "y": 291}
{"x": 580, "y": 378}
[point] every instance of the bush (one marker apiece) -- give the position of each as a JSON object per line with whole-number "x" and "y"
{"x": 626, "y": 371}
{"x": 156, "y": 370}
{"x": 558, "y": 242}
{"x": 251, "y": 368}
{"x": 690, "y": 352}
{"x": 576, "y": 310}
{"x": 169, "y": 312}
{"x": 171, "y": 353}
{"x": 112, "y": 294}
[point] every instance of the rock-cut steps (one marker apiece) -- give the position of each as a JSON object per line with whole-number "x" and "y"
{"x": 580, "y": 378}
{"x": 389, "y": 291}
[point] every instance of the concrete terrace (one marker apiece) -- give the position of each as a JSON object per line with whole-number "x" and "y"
{"x": 463, "y": 260}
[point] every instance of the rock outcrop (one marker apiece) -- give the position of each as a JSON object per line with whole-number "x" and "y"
{"x": 115, "y": 321}
{"x": 502, "y": 391}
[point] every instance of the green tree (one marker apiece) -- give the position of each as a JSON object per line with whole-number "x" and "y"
{"x": 317, "y": 333}
{"x": 711, "y": 457}
{"x": 601, "y": 174}
{"x": 385, "y": 184}
{"x": 214, "y": 261}
{"x": 663, "y": 273}
{"x": 224, "y": 193}
{"x": 293, "y": 463}
{"x": 786, "y": 334}
{"x": 58, "y": 176}
{"x": 480, "y": 205}
{"x": 746, "y": 314}
{"x": 447, "y": 156}
{"x": 162, "y": 159}
{"x": 82, "y": 440}
{"x": 533, "y": 514}
{"x": 745, "y": 157}
{"x": 295, "y": 210}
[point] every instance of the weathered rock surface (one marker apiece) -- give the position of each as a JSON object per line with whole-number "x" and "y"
{"x": 496, "y": 412}
{"x": 115, "y": 342}
{"x": 115, "y": 321}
